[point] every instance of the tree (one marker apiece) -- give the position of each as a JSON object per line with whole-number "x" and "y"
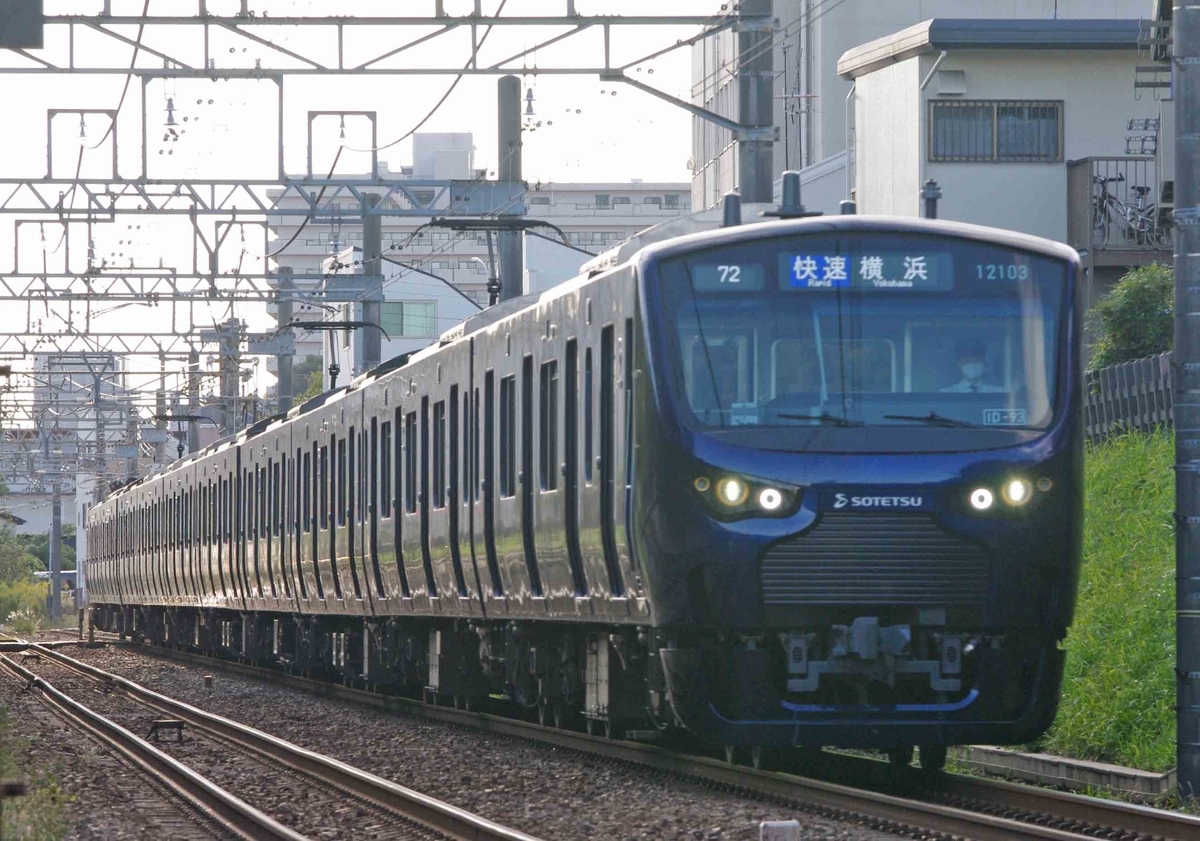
{"x": 1136, "y": 318}
{"x": 16, "y": 563}
{"x": 308, "y": 374}
{"x": 38, "y": 545}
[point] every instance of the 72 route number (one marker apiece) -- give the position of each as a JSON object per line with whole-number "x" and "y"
{"x": 730, "y": 274}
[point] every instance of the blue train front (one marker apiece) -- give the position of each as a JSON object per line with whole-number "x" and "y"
{"x": 857, "y": 498}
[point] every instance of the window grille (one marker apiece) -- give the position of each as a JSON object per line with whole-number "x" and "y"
{"x": 1005, "y": 131}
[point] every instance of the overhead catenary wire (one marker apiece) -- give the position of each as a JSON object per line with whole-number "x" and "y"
{"x": 428, "y": 116}
{"x": 70, "y": 195}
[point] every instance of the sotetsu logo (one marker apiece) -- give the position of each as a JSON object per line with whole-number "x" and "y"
{"x": 843, "y": 501}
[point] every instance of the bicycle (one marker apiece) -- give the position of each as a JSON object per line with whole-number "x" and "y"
{"x": 1138, "y": 222}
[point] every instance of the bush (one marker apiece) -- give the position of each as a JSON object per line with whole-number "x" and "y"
{"x": 1118, "y": 700}
{"x": 22, "y": 597}
{"x": 1136, "y": 318}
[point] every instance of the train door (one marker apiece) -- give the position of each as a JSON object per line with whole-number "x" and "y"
{"x": 414, "y": 530}
{"x": 379, "y": 419}
{"x": 325, "y": 465}
{"x": 455, "y": 582}
{"x": 545, "y": 464}
{"x": 308, "y": 581}
{"x": 346, "y": 426}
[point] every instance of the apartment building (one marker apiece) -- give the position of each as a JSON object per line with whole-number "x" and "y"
{"x": 592, "y": 216}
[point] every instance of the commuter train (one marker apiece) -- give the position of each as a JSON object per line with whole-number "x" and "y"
{"x": 802, "y": 482}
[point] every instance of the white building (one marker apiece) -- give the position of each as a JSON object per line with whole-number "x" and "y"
{"x": 810, "y": 97}
{"x": 593, "y": 216}
{"x": 1016, "y": 120}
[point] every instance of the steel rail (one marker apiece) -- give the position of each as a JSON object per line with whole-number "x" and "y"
{"x": 407, "y": 803}
{"x": 213, "y": 801}
{"x": 1083, "y": 816}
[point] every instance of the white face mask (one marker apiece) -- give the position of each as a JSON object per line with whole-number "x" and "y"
{"x": 972, "y": 370}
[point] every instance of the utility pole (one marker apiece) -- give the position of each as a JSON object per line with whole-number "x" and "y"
{"x": 193, "y": 431}
{"x": 1185, "y": 360}
{"x": 56, "y": 551}
{"x": 510, "y": 244}
{"x": 372, "y": 338}
{"x": 229, "y": 335}
{"x": 756, "y": 60}
{"x": 284, "y": 361}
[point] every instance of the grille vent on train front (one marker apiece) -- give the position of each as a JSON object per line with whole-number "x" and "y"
{"x": 885, "y": 559}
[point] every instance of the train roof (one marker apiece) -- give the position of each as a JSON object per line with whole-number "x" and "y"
{"x": 834, "y": 224}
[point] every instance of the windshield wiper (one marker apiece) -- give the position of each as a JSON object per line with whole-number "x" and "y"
{"x": 934, "y": 419}
{"x": 825, "y": 418}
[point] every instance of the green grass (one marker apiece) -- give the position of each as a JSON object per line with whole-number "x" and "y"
{"x": 42, "y": 814}
{"x": 1119, "y": 687}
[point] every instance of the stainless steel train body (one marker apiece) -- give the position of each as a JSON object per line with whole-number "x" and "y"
{"x": 527, "y": 509}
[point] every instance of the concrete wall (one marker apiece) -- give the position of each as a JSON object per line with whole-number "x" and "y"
{"x": 1095, "y": 88}
{"x": 854, "y": 22}
{"x": 887, "y": 168}
{"x": 809, "y": 73}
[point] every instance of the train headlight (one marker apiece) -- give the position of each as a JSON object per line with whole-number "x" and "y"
{"x": 982, "y": 499}
{"x": 770, "y": 499}
{"x": 1017, "y": 492}
{"x": 732, "y": 497}
{"x": 732, "y": 491}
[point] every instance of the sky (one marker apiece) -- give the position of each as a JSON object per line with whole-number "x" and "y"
{"x": 591, "y": 130}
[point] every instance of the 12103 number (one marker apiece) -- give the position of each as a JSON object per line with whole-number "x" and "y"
{"x": 1000, "y": 271}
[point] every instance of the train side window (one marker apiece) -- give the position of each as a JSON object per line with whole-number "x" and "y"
{"x": 323, "y": 480}
{"x": 588, "y": 457}
{"x": 264, "y": 503}
{"x": 352, "y": 503}
{"x": 455, "y": 434}
{"x": 385, "y": 469}
{"x": 438, "y": 451}
{"x": 341, "y": 482}
{"x": 475, "y": 441}
{"x": 527, "y": 515}
{"x": 363, "y": 461}
{"x": 410, "y": 462}
{"x": 508, "y": 436}
{"x": 276, "y": 503}
{"x": 306, "y": 506}
{"x": 548, "y": 427}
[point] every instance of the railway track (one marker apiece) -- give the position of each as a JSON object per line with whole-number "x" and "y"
{"x": 850, "y": 787}
{"x": 211, "y": 803}
{"x": 404, "y": 812}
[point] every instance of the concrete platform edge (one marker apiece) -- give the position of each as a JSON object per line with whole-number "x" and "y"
{"x": 1073, "y": 774}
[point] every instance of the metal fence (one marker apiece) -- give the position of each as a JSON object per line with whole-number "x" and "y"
{"x": 1131, "y": 396}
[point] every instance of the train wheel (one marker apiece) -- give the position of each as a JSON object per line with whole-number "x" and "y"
{"x": 933, "y": 757}
{"x": 900, "y": 757}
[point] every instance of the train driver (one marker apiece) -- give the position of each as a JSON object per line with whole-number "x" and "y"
{"x": 971, "y": 355}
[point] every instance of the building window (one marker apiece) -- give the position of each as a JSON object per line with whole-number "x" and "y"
{"x": 539, "y": 200}
{"x": 408, "y": 318}
{"x": 995, "y": 131}
{"x": 656, "y": 200}
{"x": 603, "y": 201}
{"x": 671, "y": 201}
{"x": 622, "y": 200}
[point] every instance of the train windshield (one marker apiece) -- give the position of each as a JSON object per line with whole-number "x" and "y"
{"x": 867, "y": 329}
